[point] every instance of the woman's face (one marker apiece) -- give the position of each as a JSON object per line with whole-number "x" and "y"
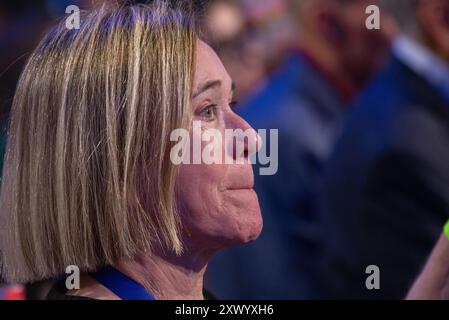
{"x": 218, "y": 204}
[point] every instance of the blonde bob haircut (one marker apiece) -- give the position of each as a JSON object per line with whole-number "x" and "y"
{"x": 87, "y": 176}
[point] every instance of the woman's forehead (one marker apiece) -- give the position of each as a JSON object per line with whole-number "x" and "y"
{"x": 209, "y": 67}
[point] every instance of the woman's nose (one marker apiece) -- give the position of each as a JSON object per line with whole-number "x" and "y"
{"x": 246, "y": 141}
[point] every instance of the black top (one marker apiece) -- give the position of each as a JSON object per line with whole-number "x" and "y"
{"x": 59, "y": 292}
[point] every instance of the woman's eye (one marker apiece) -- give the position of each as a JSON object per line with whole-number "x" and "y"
{"x": 208, "y": 112}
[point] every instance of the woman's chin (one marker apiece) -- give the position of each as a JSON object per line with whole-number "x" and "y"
{"x": 237, "y": 221}
{"x": 249, "y": 226}
{"x": 255, "y": 229}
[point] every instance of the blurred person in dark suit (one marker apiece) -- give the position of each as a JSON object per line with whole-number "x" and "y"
{"x": 386, "y": 192}
{"x": 306, "y": 101}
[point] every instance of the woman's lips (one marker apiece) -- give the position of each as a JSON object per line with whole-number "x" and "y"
{"x": 242, "y": 185}
{"x": 241, "y": 188}
{"x": 241, "y": 179}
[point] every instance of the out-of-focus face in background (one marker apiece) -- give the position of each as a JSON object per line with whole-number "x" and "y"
{"x": 251, "y": 37}
{"x": 334, "y": 32}
{"x": 254, "y": 37}
{"x": 363, "y": 51}
{"x": 434, "y": 19}
{"x": 218, "y": 204}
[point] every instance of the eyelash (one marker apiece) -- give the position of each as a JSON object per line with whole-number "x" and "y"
{"x": 213, "y": 107}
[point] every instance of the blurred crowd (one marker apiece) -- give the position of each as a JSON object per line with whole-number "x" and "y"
{"x": 363, "y": 120}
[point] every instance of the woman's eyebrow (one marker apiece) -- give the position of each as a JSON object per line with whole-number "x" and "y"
{"x": 206, "y": 86}
{"x": 209, "y": 85}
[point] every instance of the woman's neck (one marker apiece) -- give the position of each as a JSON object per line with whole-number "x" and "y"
{"x": 172, "y": 277}
{"x": 168, "y": 277}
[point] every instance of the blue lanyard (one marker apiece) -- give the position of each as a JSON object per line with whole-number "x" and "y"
{"x": 121, "y": 285}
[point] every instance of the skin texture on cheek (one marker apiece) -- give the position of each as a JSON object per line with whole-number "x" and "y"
{"x": 218, "y": 217}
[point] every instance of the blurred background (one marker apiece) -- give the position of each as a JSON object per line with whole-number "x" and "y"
{"x": 363, "y": 120}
